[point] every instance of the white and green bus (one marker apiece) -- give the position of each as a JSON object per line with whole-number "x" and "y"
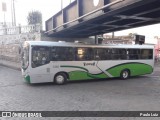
{"x": 60, "y": 62}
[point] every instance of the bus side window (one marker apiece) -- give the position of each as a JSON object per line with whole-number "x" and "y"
{"x": 150, "y": 54}
{"x": 108, "y": 54}
{"x": 83, "y": 54}
{"x": 133, "y": 54}
{"x": 115, "y": 54}
{"x": 100, "y": 54}
{"x": 146, "y": 54}
{"x": 62, "y": 54}
{"x": 53, "y": 54}
{"x": 123, "y": 54}
{"x": 69, "y": 52}
{"x": 40, "y": 56}
{"x": 96, "y": 54}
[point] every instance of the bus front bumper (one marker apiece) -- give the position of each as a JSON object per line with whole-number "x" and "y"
{"x": 27, "y": 78}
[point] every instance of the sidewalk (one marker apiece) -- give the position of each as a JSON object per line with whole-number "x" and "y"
{"x": 13, "y": 65}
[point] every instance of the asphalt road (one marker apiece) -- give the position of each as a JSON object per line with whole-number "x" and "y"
{"x": 135, "y": 94}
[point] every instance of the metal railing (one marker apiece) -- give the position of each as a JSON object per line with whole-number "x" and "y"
{"x": 20, "y": 29}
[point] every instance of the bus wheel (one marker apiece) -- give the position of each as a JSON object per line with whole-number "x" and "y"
{"x": 60, "y": 79}
{"x": 125, "y": 74}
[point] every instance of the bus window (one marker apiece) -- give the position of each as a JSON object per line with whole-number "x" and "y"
{"x": 108, "y": 54}
{"x": 102, "y": 54}
{"x": 99, "y": 53}
{"x": 119, "y": 54}
{"x": 122, "y": 54}
{"x": 133, "y": 54}
{"x": 146, "y": 54}
{"x": 62, "y": 54}
{"x": 40, "y": 56}
{"x": 83, "y": 54}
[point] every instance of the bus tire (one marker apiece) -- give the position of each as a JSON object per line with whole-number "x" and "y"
{"x": 125, "y": 74}
{"x": 60, "y": 79}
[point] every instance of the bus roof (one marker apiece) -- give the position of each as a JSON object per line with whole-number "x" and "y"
{"x": 69, "y": 44}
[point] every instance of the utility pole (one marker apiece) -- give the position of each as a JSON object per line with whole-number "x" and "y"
{"x": 13, "y": 12}
{"x": 4, "y": 9}
{"x": 61, "y": 4}
{"x": 4, "y": 20}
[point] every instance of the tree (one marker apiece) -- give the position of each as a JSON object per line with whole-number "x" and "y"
{"x": 34, "y": 17}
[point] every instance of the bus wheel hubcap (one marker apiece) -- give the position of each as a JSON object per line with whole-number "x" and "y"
{"x": 125, "y": 74}
{"x": 60, "y": 79}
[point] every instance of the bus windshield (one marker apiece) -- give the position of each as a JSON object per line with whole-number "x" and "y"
{"x": 25, "y": 57}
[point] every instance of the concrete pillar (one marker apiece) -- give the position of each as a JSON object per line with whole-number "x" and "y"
{"x": 96, "y": 39}
{"x": 112, "y": 35}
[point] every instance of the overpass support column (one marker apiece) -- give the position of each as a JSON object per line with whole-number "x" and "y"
{"x": 96, "y": 39}
{"x": 112, "y": 35}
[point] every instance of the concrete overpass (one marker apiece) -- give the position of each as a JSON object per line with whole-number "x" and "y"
{"x": 83, "y": 18}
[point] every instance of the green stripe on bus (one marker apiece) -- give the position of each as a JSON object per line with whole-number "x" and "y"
{"x": 98, "y": 76}
{"x": 81, "y": 75}
{"x": 135, "y": 69}
{"x": 78, "y": 75}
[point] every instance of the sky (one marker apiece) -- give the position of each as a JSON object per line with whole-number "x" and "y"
{"x": 47, "y": 7}
{"x": 50, "y": 7}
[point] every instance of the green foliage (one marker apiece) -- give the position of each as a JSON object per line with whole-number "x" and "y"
{"x": 34, "y": 17}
